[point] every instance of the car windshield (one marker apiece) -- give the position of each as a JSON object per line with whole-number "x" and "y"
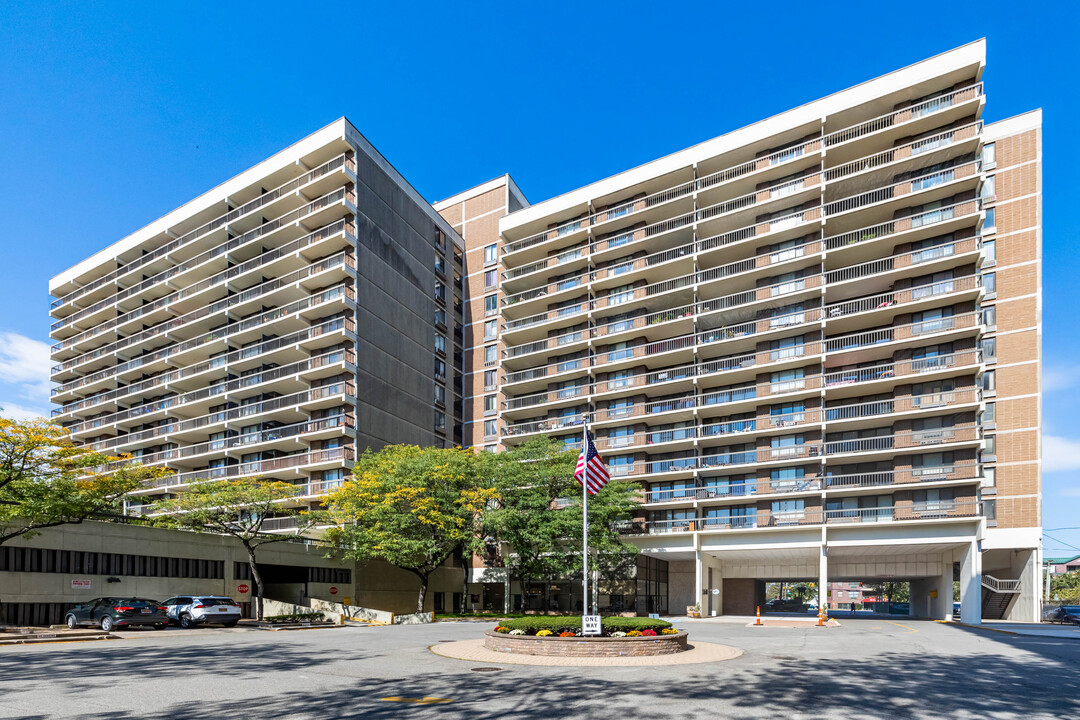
{"x": 1071, "y": 608}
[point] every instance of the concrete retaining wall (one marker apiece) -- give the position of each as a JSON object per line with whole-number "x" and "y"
{"x": 585, "y": 647}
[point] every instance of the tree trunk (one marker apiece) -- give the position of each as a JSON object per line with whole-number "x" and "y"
{"x": 258, "y": 581}
{"x": 423, "y": 592}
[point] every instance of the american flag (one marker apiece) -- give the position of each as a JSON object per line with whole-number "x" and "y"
{"x": 598, "y": 472}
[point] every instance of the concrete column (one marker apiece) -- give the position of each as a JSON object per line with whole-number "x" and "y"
{"x": 823, "y": 578}
{"x": 944, "y": 586}
{"x": 971, "y": 584}
{"x": 699, "y": 582}
{"x": 1025, "y": 567}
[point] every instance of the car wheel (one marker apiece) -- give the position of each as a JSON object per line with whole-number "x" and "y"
{"x": 71, "y": 623}
{"x": 231, "y": 623}
{"x": 185, "y": 622}
{"x": 107, "y": 623}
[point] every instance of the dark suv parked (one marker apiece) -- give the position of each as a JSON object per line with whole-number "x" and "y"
{"x": 112, "y": 612}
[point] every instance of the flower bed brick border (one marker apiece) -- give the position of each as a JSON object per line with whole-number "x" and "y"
{"x": 586, "y": 646}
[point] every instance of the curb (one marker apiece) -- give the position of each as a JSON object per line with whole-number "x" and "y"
{"x": 978, "y": 627}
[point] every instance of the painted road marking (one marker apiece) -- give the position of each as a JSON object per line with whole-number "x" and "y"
{"x": 417, "y": 701}
{"x": 909, "y": 629}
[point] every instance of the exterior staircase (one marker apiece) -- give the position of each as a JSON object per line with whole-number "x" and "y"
{"x": 997, "y": 596}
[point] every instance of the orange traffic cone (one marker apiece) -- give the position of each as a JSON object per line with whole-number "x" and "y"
{"x": 758, "y": 615}
{"x": 820, "y": 620}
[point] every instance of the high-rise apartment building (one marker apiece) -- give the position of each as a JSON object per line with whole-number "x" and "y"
{"x": 814, "y": 342}
{"x": 303, "y": 311}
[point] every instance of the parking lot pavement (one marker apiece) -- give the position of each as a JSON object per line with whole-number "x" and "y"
{"x": 866, "y": 668}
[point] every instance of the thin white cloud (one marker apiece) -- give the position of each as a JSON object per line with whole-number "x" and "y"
{"x": 1059, "y": 377}
{"x": 18, "y": 412}
{"x": 1060, "y": 453}
{"x": 24, "y": 364}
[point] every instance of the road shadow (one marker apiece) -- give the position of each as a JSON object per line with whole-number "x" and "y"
{"x": 890, "y": 685}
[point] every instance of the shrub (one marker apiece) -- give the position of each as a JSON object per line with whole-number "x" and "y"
{"x": 294, "y": 617}
{"x": 558, "y": 624}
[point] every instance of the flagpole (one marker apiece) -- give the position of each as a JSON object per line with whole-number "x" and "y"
{"x": 585, "y": 516}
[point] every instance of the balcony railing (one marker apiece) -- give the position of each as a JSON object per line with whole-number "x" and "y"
{"x": 342, "y": 161}
{"x": 899, "y": 225}
{"x": 905, "y": 151}
{"x": 247, "y": 381}
{"x": 244, "y": 412}
{"x": 901, "y": 189}
{"x": 258, "y": 467}
{"x": 897, "y": 333}
{"x": 240, "y": 441}
{"x": 903, "y": 368}
{"x": 903, "y": 261}
{"x": 237, "y": 355}
{"x": 902, "y": 403}
{"x": 668, "y": 194}
{"x": 963, "y": 283}
{"x": 214, "y": 280}
{"x": 344, "y": 259}
{"x": 904, "y": 115}
{"x": 882, "y": 478}
{"x": 968, "y": 432}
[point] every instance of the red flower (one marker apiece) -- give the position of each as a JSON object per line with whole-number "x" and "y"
{"x": 650, "y": 633}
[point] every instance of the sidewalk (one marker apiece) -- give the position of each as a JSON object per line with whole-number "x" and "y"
{"x": 1034, "y": 629}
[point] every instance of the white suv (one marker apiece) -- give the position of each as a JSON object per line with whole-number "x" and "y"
{"x": 190, "y": 610}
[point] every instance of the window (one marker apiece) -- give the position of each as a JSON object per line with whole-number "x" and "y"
{"x": 491, "y": 329}
{"x": 491, "y": 428}
{"x": 989, "y": 155}
{"x": 990, "y": 283}
{"x": 989, "y": 253}
{"x": 440, "y": 369}
{"x": 786, "y": 348}
{"x": 990, "y": 509}
{"x": 489, "y": 404}
{"x": 440, "y": 344}
{"x": 988, "y": 188}
{"x": 440, "y": 318}
{"x": 787, "y": 479}
{"x": 491, "y": 304}
{"x": 440, "y": 395}
{"x": 989, "y": 381}
{"x": 491, "y": 278}
{"x": 787, "y": 380}
{"x": 989, "y": 222}
{"x": 489, "y": 379}
{"x": 989, "y": 446}
{"x": 786, "y": 512}
{"x": 440, "y": 421}
{"x": 440, "y": 240}
{"x": 989, "y": 478}
{"x": 989, "y": 348}
{"x": 440, "y": 266}
{"x": 989, "y": 415}
{"x": 491, "y": 355}
{"x": 440, "y": 291}
{"x": 989, "y": 316}
{"x": 491, "y": 254}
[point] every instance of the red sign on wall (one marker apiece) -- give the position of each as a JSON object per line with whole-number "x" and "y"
{"x": 242, "y": 589}
{"x": 333, "y": 591}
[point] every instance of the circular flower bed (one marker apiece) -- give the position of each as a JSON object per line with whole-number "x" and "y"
{"x": 562, "y": 636}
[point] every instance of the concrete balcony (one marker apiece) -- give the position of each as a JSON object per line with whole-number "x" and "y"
{"x": 867, "y": 414}
{"x": 293, "y": 290}
{"x": 291, "y": 257}
{"x": 886, "y": 446}
{"x": 876, "y": 309}
{"x": 934, "y": 476}
{"x": 848, "y": 143}
{"x": 884, "y": 377}
{"x": 879, "y": 275}
{"x": 881, "y": 203}
{"x": 317, "y": 181}
{"x": 867, "y": 345}
{"x": 280, "y": 468}
{"x": 871, "y": 242}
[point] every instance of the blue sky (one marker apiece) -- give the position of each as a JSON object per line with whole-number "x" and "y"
{"x": 115, "y": 113}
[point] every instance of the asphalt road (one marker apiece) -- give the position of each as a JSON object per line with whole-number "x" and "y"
{"x": 868, "y": 668}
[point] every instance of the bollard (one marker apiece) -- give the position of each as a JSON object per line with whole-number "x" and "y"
{"x": 758, "y": 615}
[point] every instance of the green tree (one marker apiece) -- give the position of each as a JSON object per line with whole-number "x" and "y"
{"x": 238, "y": 508}
{"x": 411, "y": 507}
{"x": 46, "y": 480}
{"x": 1065, "y": 588}
{"x": 537, "y": 515}
{"x": 892, "y": 592}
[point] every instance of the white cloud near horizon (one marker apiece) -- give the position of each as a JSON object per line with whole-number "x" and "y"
{"x": 24, "y": 376}
{"x": 1060, "y": 453}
